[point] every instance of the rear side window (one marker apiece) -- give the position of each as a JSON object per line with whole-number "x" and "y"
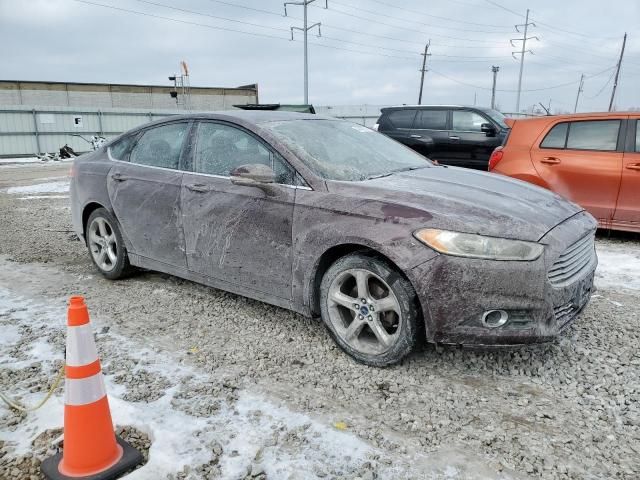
{"x": 557, "y": 136}
{"x": 161, "y": 146}
{"x": 120, "y": 149}
{"x": 637, "y": 135}
{"x": 594, "y": 135}
{"x": 431, "y": 120}
{"x": 401, "y": 118}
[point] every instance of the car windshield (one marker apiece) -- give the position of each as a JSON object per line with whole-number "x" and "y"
{"x": 497, "y": 117}
{"x": 340, "y": 150}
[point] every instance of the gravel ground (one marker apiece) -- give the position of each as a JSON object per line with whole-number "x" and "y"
{"x": 569, "y": 409}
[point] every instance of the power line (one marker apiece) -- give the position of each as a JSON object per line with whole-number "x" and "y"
{"x": 541, "y": 89}
{"x": 495, "y": 4}
{"x": 214, "y": 27}
{"x": 449, "y": 19}
{"x": 373, "y": 12}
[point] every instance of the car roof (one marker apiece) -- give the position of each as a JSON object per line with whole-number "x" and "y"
{"x": 400, "y": 107}
{"x": 252, "y": 116}
{"x": 577, "y": 116}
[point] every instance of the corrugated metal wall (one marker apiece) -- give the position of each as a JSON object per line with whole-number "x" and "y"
{"x": 26, "y": 132}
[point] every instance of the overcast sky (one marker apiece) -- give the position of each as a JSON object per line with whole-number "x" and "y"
{"x": 369, "y": 52}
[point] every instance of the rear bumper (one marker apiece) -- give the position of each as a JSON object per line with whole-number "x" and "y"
{"x": 456, "y": 292}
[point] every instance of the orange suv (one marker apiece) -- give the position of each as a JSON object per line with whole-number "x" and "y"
{"x": 592, "y": 159}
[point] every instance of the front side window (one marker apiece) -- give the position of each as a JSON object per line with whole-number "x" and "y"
{"x": 222, "y": 148}
{"x": 466, "y": 121}
{"x": 594, "y": 135}
{"x": 401, "y": 118}
{"x": 557, "y": 136}
{"x": 119, "y": 150}
{"x": 161, "y": 146}
{"x": 431, "y": 120}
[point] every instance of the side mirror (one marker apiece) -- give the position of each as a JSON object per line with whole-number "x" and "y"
{"x": 253, "y": 175}
{"x": 488, "y": 129}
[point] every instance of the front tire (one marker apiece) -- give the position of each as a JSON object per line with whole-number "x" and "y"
{"x": 370, "y": 309}
{"x": 106, "y": 246}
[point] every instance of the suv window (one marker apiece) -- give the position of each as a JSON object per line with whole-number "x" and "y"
{"x": 222, "y": 148}
{"x": 401, "y": 118}
{"x": 431, "y": 120}
{"x": 161, "y": 146}
{"x": 557, "y": 136}
{"x": 594, "y": 135}
{"x": 119, "y": 150}
{"x": 466, "y": 121}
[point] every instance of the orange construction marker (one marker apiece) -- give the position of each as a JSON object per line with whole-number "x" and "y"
{"x": 91, "y": 449}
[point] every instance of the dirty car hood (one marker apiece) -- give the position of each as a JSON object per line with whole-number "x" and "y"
{"x": 465, "y": 200}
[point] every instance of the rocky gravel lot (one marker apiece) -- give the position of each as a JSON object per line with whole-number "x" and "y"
{"x": 568, "y": 410}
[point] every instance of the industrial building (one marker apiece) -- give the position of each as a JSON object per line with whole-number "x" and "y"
{"x": 39, "y": 117}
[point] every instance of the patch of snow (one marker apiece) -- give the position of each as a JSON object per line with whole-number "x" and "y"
{"x": 39, "y": 197}
{"x": 20, "y": 160}
{"x": 618, "y": 266}
{"x": 49, "y": 187}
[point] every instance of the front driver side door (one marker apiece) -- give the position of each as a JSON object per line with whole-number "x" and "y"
{"x": 145, "y": 194}
{"x": 237, "y": 234}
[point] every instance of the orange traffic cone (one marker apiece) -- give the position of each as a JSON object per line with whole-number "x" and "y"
{"x": 90, "y": 449}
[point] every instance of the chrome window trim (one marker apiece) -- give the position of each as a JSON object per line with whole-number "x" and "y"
{"x": 297, "y": 187}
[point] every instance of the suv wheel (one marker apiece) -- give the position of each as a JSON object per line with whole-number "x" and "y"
{"x": 370, "y": 309}
{"x": 106, "y": 247}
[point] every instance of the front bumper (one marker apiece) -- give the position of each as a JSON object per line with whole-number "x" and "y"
{"x": 455, "y": 292}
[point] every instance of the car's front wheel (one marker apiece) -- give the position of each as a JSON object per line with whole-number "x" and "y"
{"x": 370, "y": 309}
{"x": 106, "y": 246}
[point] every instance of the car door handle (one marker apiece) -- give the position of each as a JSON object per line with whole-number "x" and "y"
{"x": 454, "y": 137}
{"x": 198, "y": 187}
{"x": 415, "y": 136}
{"x": 633, "y": 166}
{"x": 118, "y": 177}
{"x": 550, "y": 160}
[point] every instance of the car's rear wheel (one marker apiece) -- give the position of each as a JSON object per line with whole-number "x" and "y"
{"x": 370, "y": 309}
{"x": 105, "y": 244}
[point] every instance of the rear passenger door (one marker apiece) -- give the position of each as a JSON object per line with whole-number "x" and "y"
{"x": 145, "y": 193}
{"x": 627, "y": 213}
{"x": 582, "y": 161}
{"x": 430, "y": 136}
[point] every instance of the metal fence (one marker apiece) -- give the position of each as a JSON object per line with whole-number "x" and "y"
{"x": 27, "y": 131}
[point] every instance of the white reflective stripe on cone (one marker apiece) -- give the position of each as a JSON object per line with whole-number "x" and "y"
{"x": 81, "y": 391}
{"x": 81, "y": 347}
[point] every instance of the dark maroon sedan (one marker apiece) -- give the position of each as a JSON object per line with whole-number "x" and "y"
{"x": 330, "y": 218}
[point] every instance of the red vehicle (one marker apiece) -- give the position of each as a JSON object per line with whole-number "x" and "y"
{"x": 592, "y": 159}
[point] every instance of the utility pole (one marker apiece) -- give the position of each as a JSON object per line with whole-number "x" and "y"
{"x": 305, "y": 29}
{"x": 615, "y": 82}
{"x": 423, "y": 69}
{"x": 495, "y": 71}
{"x": 580, "y": 88}
{"x": 524, "y": 50}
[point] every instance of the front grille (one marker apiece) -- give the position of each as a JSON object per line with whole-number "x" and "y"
{"x": 574, "y": 261}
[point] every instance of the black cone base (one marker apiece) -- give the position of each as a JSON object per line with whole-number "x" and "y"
{"x": 130, "y": 458}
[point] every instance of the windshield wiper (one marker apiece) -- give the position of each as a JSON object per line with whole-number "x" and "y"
{"x": 395, "y": 171}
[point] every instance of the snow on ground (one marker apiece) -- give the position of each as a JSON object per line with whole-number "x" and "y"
{"x": 252, "y": 431}
{"x": 48, "y": 187}
{"x": 19, "y": 160}
{"x": 618, "y": 265}
{"x": 40, "y": 197}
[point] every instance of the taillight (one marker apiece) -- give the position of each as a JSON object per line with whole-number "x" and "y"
{"x": 495, "y": 158}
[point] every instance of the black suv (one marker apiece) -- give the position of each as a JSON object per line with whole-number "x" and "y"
{"x": 452, "y": 135}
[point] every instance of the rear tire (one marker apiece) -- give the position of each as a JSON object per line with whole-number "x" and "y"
{"x": 370, "y": 309}
{"x": 106, "y": 246}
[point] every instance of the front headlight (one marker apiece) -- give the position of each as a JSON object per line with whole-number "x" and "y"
{"x": 478, "y": 246}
